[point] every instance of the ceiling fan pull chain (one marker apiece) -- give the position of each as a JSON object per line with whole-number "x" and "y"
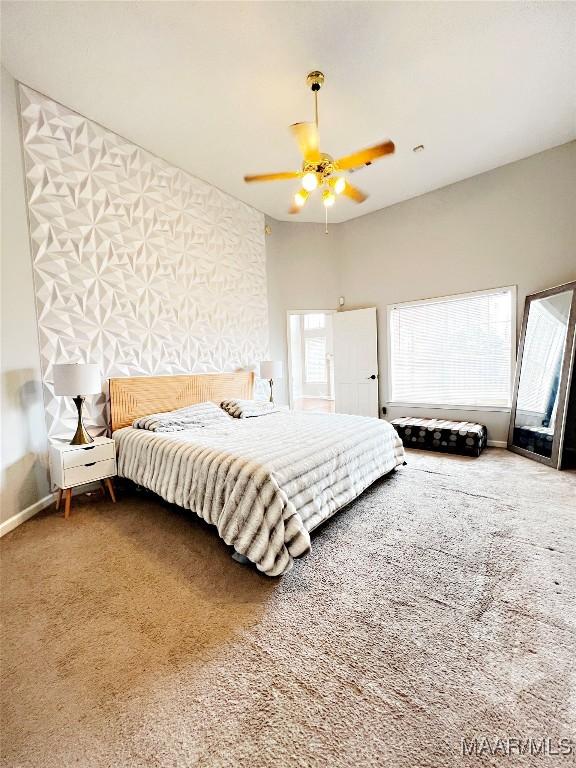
{"x": 326, "y": 220}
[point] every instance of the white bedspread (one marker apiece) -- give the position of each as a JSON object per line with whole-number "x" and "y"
{"x": 265, "y": 482}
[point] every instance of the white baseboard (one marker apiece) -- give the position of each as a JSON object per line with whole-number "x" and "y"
{"x": 26, "y": 514}
{"x": 497, "y": 444}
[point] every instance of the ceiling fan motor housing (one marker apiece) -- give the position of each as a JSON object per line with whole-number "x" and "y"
{"x": 324, "y": 168}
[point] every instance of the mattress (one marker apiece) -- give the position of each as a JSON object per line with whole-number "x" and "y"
{"x": 265, "y": 483}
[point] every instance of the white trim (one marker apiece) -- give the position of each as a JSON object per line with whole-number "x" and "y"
{"x": 26, "y": 514}
{"x": 512, "y": 289}
{"x": 438, "y": 407}
{"x": 311, "y": 311}
{"x": 455, "y": 296}
{"x": 497, "y": 444}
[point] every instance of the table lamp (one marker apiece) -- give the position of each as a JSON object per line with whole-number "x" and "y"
{"x": 78, "y": 379}
{"x": 271, "y": 369}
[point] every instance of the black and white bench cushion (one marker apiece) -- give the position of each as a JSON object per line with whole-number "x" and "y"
{"x": 439, "y": 435}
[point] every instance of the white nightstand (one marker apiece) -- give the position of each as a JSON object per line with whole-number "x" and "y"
{"x": 73, "y": 465}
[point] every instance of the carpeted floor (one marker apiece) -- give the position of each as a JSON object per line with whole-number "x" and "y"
{"x": 440, "y": 605}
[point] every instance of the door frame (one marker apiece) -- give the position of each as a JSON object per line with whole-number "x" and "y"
{"x": 289, "y": 342}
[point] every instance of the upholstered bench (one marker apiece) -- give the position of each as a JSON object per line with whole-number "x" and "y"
{"x": 440, "y": 435}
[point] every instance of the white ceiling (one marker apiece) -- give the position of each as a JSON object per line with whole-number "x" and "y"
{"x": 212, "y": 87}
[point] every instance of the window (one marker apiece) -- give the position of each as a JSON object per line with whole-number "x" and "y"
{"x": 313, "y": 322}
{"x": 453, "y": 351}
{"x": 315, "y": 359}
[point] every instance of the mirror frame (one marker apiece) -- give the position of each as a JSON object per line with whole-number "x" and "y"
{"x": 555, "y": 459}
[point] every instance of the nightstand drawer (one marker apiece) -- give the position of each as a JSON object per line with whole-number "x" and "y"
{"x": 89, "y": 472}
{"x": 87, "y": 454}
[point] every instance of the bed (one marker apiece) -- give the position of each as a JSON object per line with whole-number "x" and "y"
{"x": 265, "y": 483}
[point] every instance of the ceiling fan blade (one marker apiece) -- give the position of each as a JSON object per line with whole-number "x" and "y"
{"x": 365, "y": 156}
{"x": 354, "y": 193}
{"x": 284, "y": 175}
{"x": 306, "y": 134}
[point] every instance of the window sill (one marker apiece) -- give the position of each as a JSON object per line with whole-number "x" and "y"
{"x": 487, "y": 408}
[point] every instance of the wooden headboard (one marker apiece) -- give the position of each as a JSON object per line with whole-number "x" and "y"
{"x": 138, "y": 396}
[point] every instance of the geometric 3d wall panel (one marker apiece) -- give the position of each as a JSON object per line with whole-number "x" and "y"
{"x": 138, "y": 266}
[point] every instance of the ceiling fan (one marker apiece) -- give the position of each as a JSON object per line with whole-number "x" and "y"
{"x": 319, "y": 170}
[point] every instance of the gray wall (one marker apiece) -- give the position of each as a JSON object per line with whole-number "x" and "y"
{"x": 515, "y": 225}
{"x": 302, "y": 274}
{"x": 23, "y": 458}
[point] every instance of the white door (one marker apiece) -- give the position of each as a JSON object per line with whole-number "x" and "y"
{"x": 356, "y": 362}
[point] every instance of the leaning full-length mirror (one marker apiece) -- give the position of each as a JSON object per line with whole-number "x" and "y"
{"x": 543, "y": 375}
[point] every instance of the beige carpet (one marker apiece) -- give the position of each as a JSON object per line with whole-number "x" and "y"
{"x": 439, "y": 605}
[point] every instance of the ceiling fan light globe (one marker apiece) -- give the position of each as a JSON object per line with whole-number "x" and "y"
{"x": 339, "y": 185}
{"x": 328, "y": 198}
{"x": 309, "y": 181}
{"x": 300, "y": 197}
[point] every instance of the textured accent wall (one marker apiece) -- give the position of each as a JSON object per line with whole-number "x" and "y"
{"x": 138, "y": 266}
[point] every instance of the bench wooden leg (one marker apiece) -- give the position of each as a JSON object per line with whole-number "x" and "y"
{"x": 59, "y": 499}
{"x": 67, "y": 503}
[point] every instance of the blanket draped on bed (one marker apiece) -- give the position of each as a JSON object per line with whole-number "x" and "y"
{"x": 265, "y": 483}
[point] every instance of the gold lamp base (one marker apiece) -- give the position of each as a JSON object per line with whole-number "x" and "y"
{"x": 81, "y": 436}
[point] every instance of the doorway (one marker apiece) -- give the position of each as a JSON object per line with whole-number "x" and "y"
{"x": 311, "y": 360}
{"x": 333, "y": 361}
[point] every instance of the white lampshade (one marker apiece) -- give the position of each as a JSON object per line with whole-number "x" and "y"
{"x": 77, "y": 379}
{"x": 271, "y": 369}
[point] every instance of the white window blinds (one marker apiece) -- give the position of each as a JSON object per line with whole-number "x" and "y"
{"x": 314, "y": 321}
{"x": 315, "y": 359}
{"x": 452, "y": 351}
